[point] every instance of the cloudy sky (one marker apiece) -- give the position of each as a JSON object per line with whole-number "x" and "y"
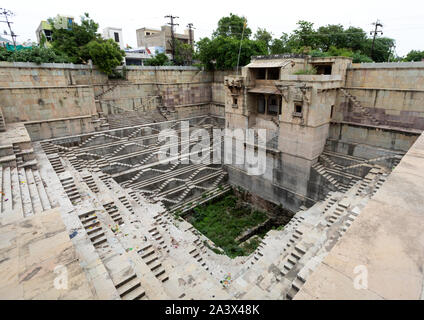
{"x": 402, "y": 20}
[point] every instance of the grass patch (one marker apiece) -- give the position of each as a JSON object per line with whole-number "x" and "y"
{"x": 223, "y": 221}
{"x": 251, "y": 245}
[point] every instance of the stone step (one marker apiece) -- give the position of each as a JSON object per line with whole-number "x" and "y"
{"x": 7, "y": 200}
{"x": 33, "y": 191}
{"x": 41, "y": 190}
{"x": 17, "y": 205}
{"x": 129, "y": 289}
{"x": 25, "y": 194}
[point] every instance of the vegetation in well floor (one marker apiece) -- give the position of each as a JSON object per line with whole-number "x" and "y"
{"x": 226, "y": 219}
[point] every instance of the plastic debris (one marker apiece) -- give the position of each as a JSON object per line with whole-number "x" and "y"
{"x": 73, "y": 234}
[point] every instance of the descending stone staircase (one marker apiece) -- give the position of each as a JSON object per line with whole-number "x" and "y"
{"x": 71, "y": 189}
{"x": 134, "y": 196}
{"x": 2, "y": 122}
{"x": 56, "y": 163}
{"x": 333, "y": 217}
{"x": 94, "y": 229}
{"x": 96, "y": 136}
{"x": 151, "y": 258}
{"x": 130, "y": 288}
{"x": 366, "y": 162}
{"x": 106, "y": 180}
{"x": 358, "y": 105}
{"x": 322, "y": 170}
{"x": 130, "y": 119}
{"x": 91, "y": 183}
{"x": 112, "y": 87}
{"x": 127, "y": 205}
{"x": 113, "y": 212}
{"x": 22, "y": 191}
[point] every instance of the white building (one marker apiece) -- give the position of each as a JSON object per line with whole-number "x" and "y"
{"x": 114, "y": 34}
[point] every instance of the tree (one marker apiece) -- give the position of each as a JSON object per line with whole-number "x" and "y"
{"x": 34, "y": 54}
{"x": 351, "y": 42}
{"x": 331, "y": 35}
{"x": 303, "y": 36}
{"x": 414, "y": 55}
{"x": 205, "y": 53}
{"x": 81, "y": 42}
{"x": 280, "y": 45}
{"x": 106, "y": 55}
{"x": 382, "y": 49}
{"x": 355, "y": 38}
{"x": 183, "y": 53}
{"x": 232, "y": 26}
{"x": 73, "y": 40}
{"x": 160, "y": 59}
{"x": 221, "y": 53}
{"x": 263, "y": 36}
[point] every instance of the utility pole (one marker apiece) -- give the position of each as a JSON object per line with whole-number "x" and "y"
{"x": 241, "y": 41}
{"x": 375, "y": 32}
{"x": 172, "y": 24}
{"x": 7, "y": 13}
{"x": 190, "y": 34}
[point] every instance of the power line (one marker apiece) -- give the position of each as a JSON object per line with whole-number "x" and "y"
{"x": 375, "y": 32}
{"x": 172, "y": 24}
{"x": 7, "y": 13}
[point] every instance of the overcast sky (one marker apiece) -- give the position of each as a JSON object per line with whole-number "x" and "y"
{"x": 402, "y": 20}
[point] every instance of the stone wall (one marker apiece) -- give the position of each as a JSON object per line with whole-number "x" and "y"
{"x": 171, "y": 74}
{"x": 394, "y": 75}
{"x": 391, "y": 107}
{"x": 393, "y": 93}
{"x": 218, "y": 92}
{"x": 27, "y": 74}
{"x": 177, "y": 86}
{"x": 52, "y": 92}
{"x": 46, "y": 103}
{"x": 53, "y": 99}
{"x": 351, "y": 136}
{"x": 39, "y": 130}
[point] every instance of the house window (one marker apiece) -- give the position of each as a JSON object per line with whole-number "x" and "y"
{"x": 261, "y": 104}
{"x": 116, "y": 34}
{"x": 70, "y": 22}
{"x": 48, "y": 34}
{"x": 298, "y": 109}
{"x": 273, "y": 73}
{"x": 260, "y": 73}
{"x": 273, "y": 105}
{"x": 323, "y": 68}
{"x": 235, "y": 104}
{"x": 331, "y": 112}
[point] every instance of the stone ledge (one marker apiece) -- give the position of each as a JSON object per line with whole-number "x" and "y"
{"x": 381, "y": 127}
